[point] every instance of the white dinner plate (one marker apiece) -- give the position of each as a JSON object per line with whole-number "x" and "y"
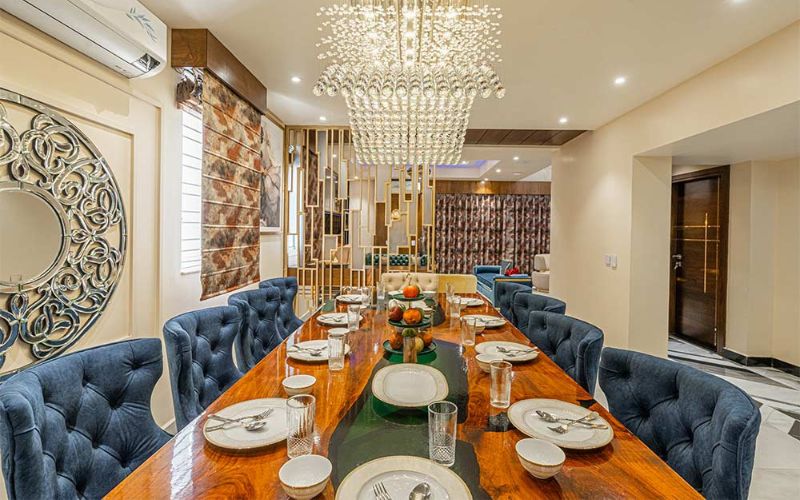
{"x": 349, "y": 299}
{"x": 399, "y": 475}
{"x": 297, "y": 351}
{"x": 491, "y": 348}
{"x": 236, "y": 438}
{"x": 488, "y": 321}
{"x": 409, "y": 385}
{"x": 334, "y": 319}
{"x": 471, "y": 302}
{"x": 523, "y": 415}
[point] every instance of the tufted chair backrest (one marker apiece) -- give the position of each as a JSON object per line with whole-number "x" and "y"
{"x": 75, "y": 426}
{"x": 704, "y": 427}
{"x": 395, "y": 281}
{"x": 427, "y": 282}
{"x": 259, "y": 333}
{"x": 524, "y": 304}
{"x": 573, "y": 344}
{"x": 504, "y": 295}
{"x": 200, "y": 353}
{"x": 287, "y": 321}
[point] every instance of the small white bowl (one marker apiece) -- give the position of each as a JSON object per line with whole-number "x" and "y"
{"x": 429, "y": 294}
{"x": 305, "y": 477}
{"x": 299, "y": 384}
{"x": 485, "y": 361}
{"x": 540, "y": 458}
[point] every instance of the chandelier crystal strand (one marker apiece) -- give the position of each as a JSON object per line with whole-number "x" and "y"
{"x": 409, "y": 71}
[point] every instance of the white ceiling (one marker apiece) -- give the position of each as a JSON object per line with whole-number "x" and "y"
{"x": 560, "y": 56}
{"x": 774, "y": 135}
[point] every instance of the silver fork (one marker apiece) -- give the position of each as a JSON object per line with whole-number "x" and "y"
{"x": 248, "y": 419}
{"x": 514, "y": 352}
{"x": 380, "y": 491}
{"x": 564, "y": 428}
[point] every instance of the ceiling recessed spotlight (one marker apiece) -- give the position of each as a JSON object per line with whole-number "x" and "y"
{"x": 563, "y": 120}
{"x": 296, "y": 79}
{"x": 486, "y": 179}
{"x": 497, "y": 170}
{"x": 517, "y": 173}
{"x": 516, "y": 158}
{"x": 323, "y": 118}
{"x": 620, "y": 80}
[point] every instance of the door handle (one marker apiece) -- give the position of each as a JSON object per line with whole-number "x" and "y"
{"x": 677, "y": 261}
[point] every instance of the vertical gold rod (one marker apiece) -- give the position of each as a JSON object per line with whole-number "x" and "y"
{"x": 705, "y": 254}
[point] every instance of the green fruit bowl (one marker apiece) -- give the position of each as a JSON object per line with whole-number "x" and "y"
{"x": 402, "y": 324}
{"x": 388, "y": 348}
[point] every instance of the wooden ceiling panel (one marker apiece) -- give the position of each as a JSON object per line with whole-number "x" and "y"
{"x": 519, "y": 137}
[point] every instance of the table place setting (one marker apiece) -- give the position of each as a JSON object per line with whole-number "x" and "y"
{"x": 469, "y": 301}
{"x": 508, "y": 351}
{"x": 401, "y": 478}
{"x": 349, "y": 299}
{"x": 560, "y": 423}
{"x": 487, "y": 320}
{"x": 335, "y": 319}
{"x": 249, "y": 425}
{"x": 409, "y": 385}
{"x": 313, "y": 351}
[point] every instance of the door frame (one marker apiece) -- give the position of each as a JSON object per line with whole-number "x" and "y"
{"x": 723, "y": 174}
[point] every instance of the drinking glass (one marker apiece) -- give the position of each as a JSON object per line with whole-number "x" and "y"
{"x": 449, "y": 291}
{"x": 353, "y": 317}
{"x": 366, "y": 296}
{"x": 336, "y": 342}
{"x": 456, "y": 306}
{"x": 300, "y": 414}
{"x": 381, "y": 296}
{"x": 468, "y": 330}
{"x": 442, "y": 423}
{"x": 500, "y": 393}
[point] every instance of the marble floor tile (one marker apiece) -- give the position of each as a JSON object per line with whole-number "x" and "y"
{"x": 774, "y": 484}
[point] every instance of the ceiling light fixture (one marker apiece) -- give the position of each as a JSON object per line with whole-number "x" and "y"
{"x": 516, "y": 158}
{"x": 323, "y": 118}
{"x": 486, "y": 179}
{"x": 517, "y": 173}
{"x": 563, "y": 120}
{"x": 296, "y": 79}
{"x": 409, "y": 71}
{"x": 620, "y": 80}
{"x": 497, "y": 170}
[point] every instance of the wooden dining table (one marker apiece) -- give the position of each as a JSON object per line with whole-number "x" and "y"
{"x": 353, "y": 428}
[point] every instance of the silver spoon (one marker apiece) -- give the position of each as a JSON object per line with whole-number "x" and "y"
{"x": 553, "y": 419}
{"x": 255, "y": 421}
{"x": 564, "y": 428}
{"x": 422, "y": 491}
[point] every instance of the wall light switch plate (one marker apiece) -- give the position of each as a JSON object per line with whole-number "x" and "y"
{"x": 610, "y": 261}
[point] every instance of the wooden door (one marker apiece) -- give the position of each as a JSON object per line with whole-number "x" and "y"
{"x": 699, "y": 245}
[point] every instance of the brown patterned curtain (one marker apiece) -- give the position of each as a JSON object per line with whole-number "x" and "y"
{"x": 232, "y": 168}
{"x": 474, "y": 229}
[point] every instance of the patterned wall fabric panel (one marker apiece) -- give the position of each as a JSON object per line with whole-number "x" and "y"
{"x": 474, "y": 229}
{"x": 232, "y": 165}
{"x": 314, "y": 224}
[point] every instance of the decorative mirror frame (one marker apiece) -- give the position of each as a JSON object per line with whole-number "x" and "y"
{"x": 56, "y": 162}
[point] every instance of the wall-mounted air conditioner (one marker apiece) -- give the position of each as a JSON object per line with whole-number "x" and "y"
{"x": 121, "y": 34}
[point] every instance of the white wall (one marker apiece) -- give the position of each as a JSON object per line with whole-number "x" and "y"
{"x": 606, "y": 201}
{"x": 137, "y": 126}
{"x": 764, "y": 260}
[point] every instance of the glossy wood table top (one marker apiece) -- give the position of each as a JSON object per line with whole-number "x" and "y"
{"x": 188, "y": 467}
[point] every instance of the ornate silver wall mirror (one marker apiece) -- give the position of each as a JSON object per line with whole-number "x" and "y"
{"x": 62, "y": 230}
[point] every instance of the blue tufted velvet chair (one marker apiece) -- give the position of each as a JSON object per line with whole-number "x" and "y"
{"x": 75, "y": 426}
{"x": 259, "y": 334}
{"x": 200, "y": 353}
{"x": 573, "y": 344}
{"x": 287, "y": 321}
{"x": 504, "y": 292}
{"x": 525, "y": 303}
{"x": 704, "y": 427}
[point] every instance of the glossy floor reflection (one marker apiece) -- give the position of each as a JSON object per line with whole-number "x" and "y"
{"x": 776, "y": 472}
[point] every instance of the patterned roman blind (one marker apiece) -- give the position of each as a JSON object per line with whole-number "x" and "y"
{"x": 232, "y": 168}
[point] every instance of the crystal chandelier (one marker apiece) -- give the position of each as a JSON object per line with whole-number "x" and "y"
{"x": 409, "y": 71}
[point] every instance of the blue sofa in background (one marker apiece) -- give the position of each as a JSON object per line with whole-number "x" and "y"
{"x": 489, "y": 276}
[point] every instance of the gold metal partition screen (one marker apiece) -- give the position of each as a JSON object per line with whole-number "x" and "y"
{"x": 347, "y": 222}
